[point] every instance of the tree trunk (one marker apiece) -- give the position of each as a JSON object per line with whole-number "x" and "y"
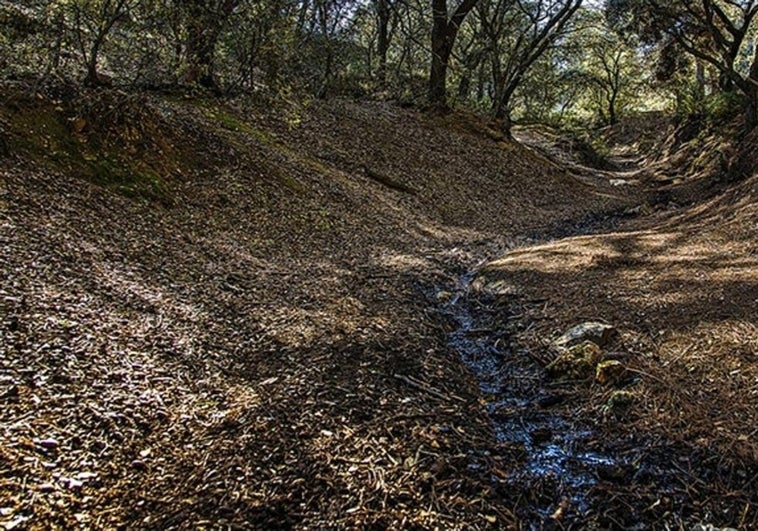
{"x": 205, "y": 21}
{"x": 612, "y": 104}
{"x": 438, "y": 80}
{"x": 201, "y": 47}
{"x": 444, "y": 31}
{"x": 751, "y": 113}
{"x": 443, "y": 36}
{"x": 751, "y": 95}
{"x": 327, "y": 77}
{"x": 383, "y": 41}
{"x": 464, "y": 87}
{"x": 57, "y": 45}
{"x": 502, "y": 110}
{"x": 502, "y": 101}
{"x": 92, "y": 78}
{"x": 700, "y": 80}
{"x": 480, "y": 84}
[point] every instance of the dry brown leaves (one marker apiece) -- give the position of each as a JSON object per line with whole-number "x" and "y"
{"x": 683, "y": 288}
{"x": 263, "y": 353}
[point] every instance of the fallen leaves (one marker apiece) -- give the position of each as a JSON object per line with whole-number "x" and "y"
{"x": 252, "y": 356}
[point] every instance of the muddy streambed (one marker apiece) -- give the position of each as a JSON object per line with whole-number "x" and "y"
{"x": 559, "y": 466}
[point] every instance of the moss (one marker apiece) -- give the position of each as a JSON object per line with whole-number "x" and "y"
{"x": 287, "y": 180}
{"x": 619, "y": 403}
{"x": 610, "y": 372}
{"x": 578, "y": 361}
{"x": 230, "y": 122}
{"x": 41, "y": 132}
{"x": 44, "y": 131}
{"x": 128, "y": 178}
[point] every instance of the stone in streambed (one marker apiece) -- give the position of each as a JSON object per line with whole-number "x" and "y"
{"x": 577, "y": 362}
{"x": 48, "y": 444}
{"x": 541, "y": 435}
{"x": 598, "y": 333}
{"x": 610, "y": 372}
{"x": 550, "y": 400}
{"x": 619, "y": 402}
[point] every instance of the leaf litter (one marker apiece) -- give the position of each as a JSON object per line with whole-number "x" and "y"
{"x": 259, "y": 353}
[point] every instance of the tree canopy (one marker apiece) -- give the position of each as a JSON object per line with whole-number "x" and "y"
{"x": 546, "y": 60}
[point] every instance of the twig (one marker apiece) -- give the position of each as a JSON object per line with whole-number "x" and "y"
{"x": 689, "y": 474}
{"x": 425, "y": 387}
{"x": 749, "y": 482}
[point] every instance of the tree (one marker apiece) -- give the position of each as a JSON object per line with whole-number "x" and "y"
{"x": 445, "y": 27}
{"x": 205, "y": 21}
{"x": 93, "y": 22}
{"x": 386, "y": 21}
{"x": 716, "y": 32}
{"x": 610, "y": 66}
{"x": 518, "y": 33}
{"x": 551, "y": 89}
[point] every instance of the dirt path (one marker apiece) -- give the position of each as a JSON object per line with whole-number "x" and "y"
{"x": 620, "y": 167}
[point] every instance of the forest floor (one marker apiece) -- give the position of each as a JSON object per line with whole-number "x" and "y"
{"x": 339, "y": 316}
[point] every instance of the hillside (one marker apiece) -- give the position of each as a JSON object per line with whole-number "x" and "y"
{"x": 233, "y": 313}
{"x": 679, "y": 420}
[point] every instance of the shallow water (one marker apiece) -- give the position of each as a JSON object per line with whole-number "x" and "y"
{"x": 554, "y": 445}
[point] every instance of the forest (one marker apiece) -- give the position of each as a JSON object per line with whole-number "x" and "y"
{"x": 379, "y": 264}
{"x": 557, "y": 62}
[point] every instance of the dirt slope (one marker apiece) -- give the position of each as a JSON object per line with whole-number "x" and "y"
{"x": 228, "y": 314}
{"x": 231, "y": 325}
{"x": 683, "y": 291}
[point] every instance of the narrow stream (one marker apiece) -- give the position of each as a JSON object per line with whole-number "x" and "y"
{"x": 557, "y": 467}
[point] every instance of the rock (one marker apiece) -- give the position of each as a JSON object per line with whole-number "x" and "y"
{"x": 550, "y": 400}
{"x": 612, "y": 472}
{"x": 11, "y": 393}
{"x": 541, "y": 435}
{"x": 624, "y": 182}
{"x": 499, "y": 288}
{"x": 443, "y": 296}
{"x": 619, "y": 402}
{"x": 610, "y": 372}
{"x": 18, "y": 521}
{"x": 578, "y": 361}
{"x": 71, "y": 483}
{"x": 79, "y": 125}
{"x": 599, "y": 333}
{"x": 711, "y": 527}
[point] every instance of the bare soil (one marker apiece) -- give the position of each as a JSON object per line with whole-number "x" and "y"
{"x": 256, "y": 329}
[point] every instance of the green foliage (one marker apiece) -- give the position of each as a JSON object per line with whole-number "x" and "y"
{"x": 586, "y": 72}
{"x": 722, "y": 106}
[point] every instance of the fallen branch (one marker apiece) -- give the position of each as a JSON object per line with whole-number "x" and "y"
{"x": 388, "y": 181}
